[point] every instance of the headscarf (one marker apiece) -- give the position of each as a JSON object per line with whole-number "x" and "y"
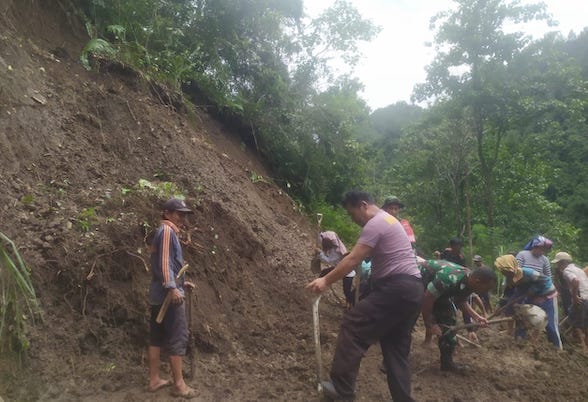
{"x": 334, "y": 239}
{"x": 538, "y": 241}
{"x": 508, "y": 263}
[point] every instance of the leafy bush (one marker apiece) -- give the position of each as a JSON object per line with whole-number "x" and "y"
{"x": 335, "y": 218}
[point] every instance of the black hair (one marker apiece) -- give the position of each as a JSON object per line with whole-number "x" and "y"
{"x": 455, "y": 241}
{"x": 485, "y": 274}
{"x": 354, "y": 198}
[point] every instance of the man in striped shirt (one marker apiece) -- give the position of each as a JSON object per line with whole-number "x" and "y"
{"x": 172, "y": 333}
{"x": 533, "y": 255}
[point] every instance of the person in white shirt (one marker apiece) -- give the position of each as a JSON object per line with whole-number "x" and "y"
{"x": 577, "y": 282}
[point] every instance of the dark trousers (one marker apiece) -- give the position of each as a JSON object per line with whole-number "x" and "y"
{"x": 386, "y": 315}
{"x": 444, "y": 313}
{"x": 348, "y": 290}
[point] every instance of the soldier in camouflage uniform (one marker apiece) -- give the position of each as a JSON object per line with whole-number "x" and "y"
{"x": 453, "y": 284}
{"x": 429, "y": 268}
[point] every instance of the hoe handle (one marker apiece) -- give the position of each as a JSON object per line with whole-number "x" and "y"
{"x": 167, "y": 300}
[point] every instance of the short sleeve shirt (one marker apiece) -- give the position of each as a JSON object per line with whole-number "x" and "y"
{"x": 450, "y": 281}
{"x": 434, "y": 266}
{"x": 392, "y": 252}
{"x": 572, "y": 272}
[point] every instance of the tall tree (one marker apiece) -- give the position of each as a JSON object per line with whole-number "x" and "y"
{"x": 473, "y": 53}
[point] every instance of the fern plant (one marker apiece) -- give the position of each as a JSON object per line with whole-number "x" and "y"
{"x": 96, "y": 46}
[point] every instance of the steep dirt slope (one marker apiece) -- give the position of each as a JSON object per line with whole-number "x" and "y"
{"x": 71, "y": 143}
{"x": 74, "y": 148}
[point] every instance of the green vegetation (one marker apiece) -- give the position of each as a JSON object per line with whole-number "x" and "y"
{"x": 17, "y": 298}
{"x": 498, "y": 156}
{"x": 86, "y": 219}
{"x": 162, "y": 189}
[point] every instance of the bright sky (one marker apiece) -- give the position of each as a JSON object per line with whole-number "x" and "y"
{"x": 395, "y": 60}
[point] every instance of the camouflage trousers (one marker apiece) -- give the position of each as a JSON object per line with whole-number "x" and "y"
{"x": 444, "y": 314}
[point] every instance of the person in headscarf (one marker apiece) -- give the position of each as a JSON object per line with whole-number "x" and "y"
{"x": 533, "y": 255}
{"x": 531, "y": 287}
{"x": 330, "y": 254}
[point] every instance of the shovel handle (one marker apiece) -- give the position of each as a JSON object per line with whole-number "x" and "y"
{"x": 510, "y": 303}
{"x": 317, "y": 338}
{"x": 475, "y": 324}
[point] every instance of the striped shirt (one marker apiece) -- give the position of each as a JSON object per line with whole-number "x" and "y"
{"x": 166, "y": 262}
{"x": 540, "y": 264}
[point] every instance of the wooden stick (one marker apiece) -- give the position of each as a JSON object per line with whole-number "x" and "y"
{"x": 507, "y": 305}
{"x": 463, "y": 338}
{"x": 167, "y": 299}
{"x": 474, "y": 325}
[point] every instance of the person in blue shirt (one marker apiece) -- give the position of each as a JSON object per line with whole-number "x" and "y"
{"x": 171, "y": 334}
{"x": 532, "y": 288}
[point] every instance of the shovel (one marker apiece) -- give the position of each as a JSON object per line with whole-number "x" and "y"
{"x": 315, "y": 263}
{"x": 317, "y": 342}
{"x": 527, "y": 316}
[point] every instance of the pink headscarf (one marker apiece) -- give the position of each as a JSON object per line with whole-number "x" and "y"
{"x": 334, "y": 239}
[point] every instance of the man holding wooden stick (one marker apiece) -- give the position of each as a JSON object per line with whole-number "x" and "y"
{"x": 168, "y": 327}
{"x": 451, "y": 285}
{"x": 387, "y": 314}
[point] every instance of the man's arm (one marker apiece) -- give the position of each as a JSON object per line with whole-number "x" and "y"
{"x": 169, "y": 280}
{"x": 575, "y": 289}
{"x": 346, "y": 265}
{"x": 546, "y": 267}
{"x": 167, "y": 272}
{"x": 427, "y": 309}
{"x": 465, "y": 307}
{"x": 477, "y": 301}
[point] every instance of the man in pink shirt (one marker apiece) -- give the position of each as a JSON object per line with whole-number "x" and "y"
{"x": 392, "y": 205}
{"x": 387, "y": 314}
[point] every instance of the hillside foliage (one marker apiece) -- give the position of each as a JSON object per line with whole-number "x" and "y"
{"x": 499, "y": 154}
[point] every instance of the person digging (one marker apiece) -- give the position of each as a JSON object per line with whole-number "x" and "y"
{"x": 577, "y": 282}
{"x": 531, "y": 287}
{"x": 453, "y": 285}
{"x": 387, "y": 314}
{"x": 171, "y": 333}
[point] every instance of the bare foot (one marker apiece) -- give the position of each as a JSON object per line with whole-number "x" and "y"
{"x": 158, "y": 385}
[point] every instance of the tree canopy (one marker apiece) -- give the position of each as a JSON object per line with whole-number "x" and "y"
{"x": 498, "y": 155}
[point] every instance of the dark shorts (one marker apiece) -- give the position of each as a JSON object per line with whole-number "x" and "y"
{"x": 579, "y": 315}
{"x": 172, "y": 334}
